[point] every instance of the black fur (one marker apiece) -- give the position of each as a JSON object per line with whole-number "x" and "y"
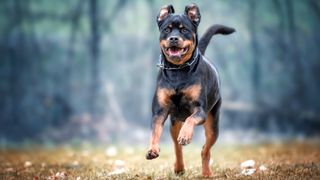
{"x": 213, "y": 30}
{"x": 188, "y": 85}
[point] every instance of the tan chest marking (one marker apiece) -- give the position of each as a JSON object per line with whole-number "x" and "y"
{"x": 192, "y": 92}
{"x": 163, "y": 95}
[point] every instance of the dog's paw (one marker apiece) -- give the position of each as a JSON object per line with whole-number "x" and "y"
{"x": 185, "y": 134}
{"x": 179, "y": 169}
{"x": 152, "y": 153}
{"x": 207, "y": 173}
{"x": 179, "y": 172}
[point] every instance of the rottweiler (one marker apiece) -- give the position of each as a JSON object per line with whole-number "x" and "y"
{"x": 188, "y": 86}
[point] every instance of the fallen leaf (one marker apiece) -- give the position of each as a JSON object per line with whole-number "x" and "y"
{"x": 43, "y": 165}
{"x": 61, "y": 175}
{"x": 10, "y": 169}
{"x": 75, "y": 163}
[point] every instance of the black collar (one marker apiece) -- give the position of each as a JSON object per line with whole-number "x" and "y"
{"x": 187, "y": 64}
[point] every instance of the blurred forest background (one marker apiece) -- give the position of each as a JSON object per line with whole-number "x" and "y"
{"x": 86, "y": 69}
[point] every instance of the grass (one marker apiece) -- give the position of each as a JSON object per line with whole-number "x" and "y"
{"x": 283, "y": 161}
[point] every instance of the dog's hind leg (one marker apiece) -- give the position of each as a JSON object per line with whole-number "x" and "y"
{"x": 211, "y": 133}
{"x": 174, "y": 131}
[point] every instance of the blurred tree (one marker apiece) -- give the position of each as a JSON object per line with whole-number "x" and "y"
{"x": 18, "y": 66}
{"x": 64, "y": 63}
{"x": 256, "y": 72}
{"x": 95, "y": 55}
{"x": 75, "y": 15}
{"x": 297, "y": 66}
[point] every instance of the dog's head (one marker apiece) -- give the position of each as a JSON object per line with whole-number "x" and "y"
{"x": 178, "y": 33}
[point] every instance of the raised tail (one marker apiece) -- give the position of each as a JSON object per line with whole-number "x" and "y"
{"x": 213, "y": 30}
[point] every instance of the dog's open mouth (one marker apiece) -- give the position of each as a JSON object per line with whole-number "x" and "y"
{"x": 176, "y": 51}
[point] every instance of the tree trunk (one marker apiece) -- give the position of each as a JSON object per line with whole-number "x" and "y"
{"x": 315, "y": 6}
{"x": 16, "y": 53}
{"x": 298, "y": 69}
{"x": 94, "y": 53}
{"x": 74, "y": 25}
{"x": 256, "y": 72}
{"x": 280, "y": 35}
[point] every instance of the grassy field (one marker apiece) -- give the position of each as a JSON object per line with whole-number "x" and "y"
{"x": 283, "y": 161}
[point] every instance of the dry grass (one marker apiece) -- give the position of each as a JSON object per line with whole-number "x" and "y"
{"x": 283, "y": 161}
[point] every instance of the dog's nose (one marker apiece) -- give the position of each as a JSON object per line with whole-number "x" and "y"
{"x": 173, "y": 39}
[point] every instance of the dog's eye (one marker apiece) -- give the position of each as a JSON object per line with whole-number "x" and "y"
{"x": 167, "y": 30}
{"x": 184, "y": 30}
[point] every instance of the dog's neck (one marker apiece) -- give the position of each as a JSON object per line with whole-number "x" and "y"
{"x": 188, "y": 65}
{"x": 179, "y": 76}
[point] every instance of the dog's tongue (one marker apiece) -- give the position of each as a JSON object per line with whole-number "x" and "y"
{"x": 175, "y": 51}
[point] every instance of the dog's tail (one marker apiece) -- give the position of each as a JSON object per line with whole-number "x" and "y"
{"x": 213, "y": 30}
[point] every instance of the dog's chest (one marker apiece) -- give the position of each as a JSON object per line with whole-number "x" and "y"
{"x": 180, "y": 102}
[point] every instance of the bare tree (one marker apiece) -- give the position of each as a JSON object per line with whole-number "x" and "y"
{"x": 94, "y": 54}
{"x": 315, "y": 6}
{"x": 256, "y": 72}
{"x": 16, "y": 54}
{"x": 74, "y": 25}
{"x": 298, "y": 66}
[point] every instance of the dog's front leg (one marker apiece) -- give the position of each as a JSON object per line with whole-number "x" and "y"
{"x": 197, "y": 117}
{"x": 157, "y": 127}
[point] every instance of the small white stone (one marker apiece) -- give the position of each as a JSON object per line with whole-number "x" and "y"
{"x": 27, "y": 164}
{"x": 262, "y": 168}
{"x": 10, "y": 170}
{"x": 111, "y": 151}
{"x": 119, "y": 163}
{"x": 248, "y": 172}
{"x": 247, "y": 164}
{"x": 61, "y": 175}
{"x": 117, "y": 171}
{"x": 75, "y": 163}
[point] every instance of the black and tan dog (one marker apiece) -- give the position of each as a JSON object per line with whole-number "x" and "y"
{"x": 188, "y": 87}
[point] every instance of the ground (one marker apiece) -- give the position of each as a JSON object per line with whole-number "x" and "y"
{"x": 294, "y": 160}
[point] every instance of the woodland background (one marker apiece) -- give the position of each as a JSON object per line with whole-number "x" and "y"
{"x": 85, "y": 69}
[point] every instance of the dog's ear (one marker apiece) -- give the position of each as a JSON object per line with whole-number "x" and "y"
{"x": 164, "y": 12}
{"x": 193, "y": 12}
